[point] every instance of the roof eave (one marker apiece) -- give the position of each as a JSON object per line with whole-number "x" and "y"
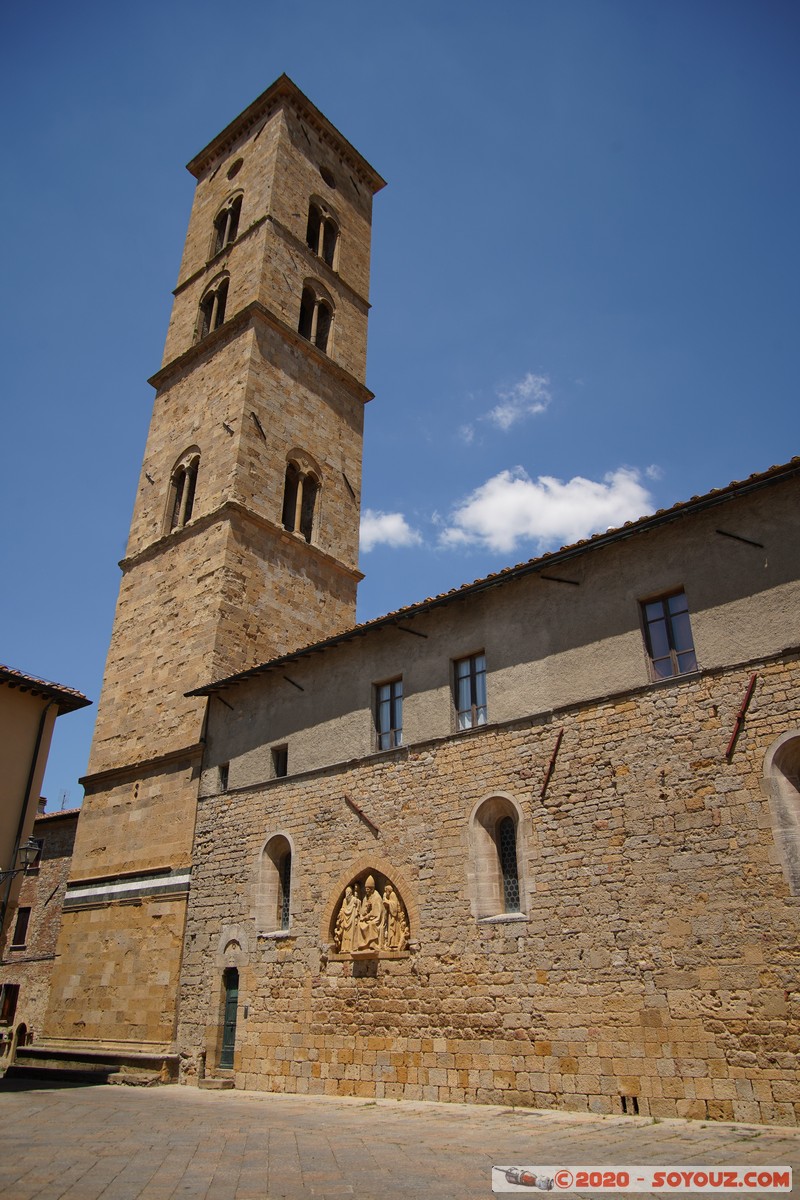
{"x": 283, "y": 89}
{"x": 533, "y": 566}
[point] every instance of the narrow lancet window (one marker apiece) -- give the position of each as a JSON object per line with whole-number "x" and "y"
{"x": 316, "y": 318}
{"x": 212, "y": 309}
{"x": 226, "y": 224}
{"x": 183, "y": 485}
{"x": 322, "y": 233}
{"x": 299, "y": 501}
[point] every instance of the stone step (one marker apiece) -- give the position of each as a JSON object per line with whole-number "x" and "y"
{"x": 214, "y": 1084}
{"x": 98, "y": 1065}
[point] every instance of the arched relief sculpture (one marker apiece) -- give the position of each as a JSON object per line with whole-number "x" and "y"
{"x": 370, "y": 918}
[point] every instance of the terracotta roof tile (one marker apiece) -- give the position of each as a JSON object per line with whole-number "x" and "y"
{"x": 68, "y": 698}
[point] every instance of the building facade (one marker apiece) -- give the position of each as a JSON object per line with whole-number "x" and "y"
{"x": 29, "y": 954}
{"x": 28, "y": 710}
{"x": 534, "y": 841}
{"x": 578, "y": 780}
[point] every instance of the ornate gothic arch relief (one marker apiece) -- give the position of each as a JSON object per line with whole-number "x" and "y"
{"x": 369, "y": 917}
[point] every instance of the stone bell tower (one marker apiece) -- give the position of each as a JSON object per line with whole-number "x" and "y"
{"x": 244, "y": 538}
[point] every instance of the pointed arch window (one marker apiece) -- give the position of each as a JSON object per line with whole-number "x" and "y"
{"x": 183, "y": 485}
{"x": 299, "y": 500}
{"x": 494, "y": 859}
{"x": 212, "y": 309}
{"x": 226, "y": 223}
{"x": 322, "y": 233}
{"x": 273, "y": 901}
{"x": 316, "y": 318}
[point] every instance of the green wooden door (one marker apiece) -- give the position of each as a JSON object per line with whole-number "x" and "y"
{"x": 231, "y": 984}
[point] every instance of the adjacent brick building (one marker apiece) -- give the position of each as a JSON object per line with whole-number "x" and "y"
{"x": 533, "y": 841}
{"x": 28, "y": 956}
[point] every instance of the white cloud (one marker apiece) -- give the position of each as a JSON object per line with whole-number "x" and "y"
{"x": 511, "y": 508}
{"x": 391, "y": 529}
{"x": 530, "y": 395}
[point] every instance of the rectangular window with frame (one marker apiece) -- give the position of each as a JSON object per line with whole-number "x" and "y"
{"x": 280, "y": 761}
{"x": 668, "y": 634}
{"x": 21, "y": 928}
{"x": 470, "y": 691}
{"x": 389, "y": 714}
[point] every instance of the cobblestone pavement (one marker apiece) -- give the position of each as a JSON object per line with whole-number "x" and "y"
{"x": 122, "y": 1143}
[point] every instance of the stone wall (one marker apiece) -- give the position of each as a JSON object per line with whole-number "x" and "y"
{"x": 655, "y": 956}
{"x": 116, "y": 976}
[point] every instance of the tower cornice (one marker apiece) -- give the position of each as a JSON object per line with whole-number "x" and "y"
{"x": 282, "y": 92}
{"x": 219, "y": 261}
{"x": 245, "y": 318}
{"x": 231, "y": 510}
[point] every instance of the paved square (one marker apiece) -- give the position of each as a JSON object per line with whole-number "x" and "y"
{"x": 121, "y": 1143}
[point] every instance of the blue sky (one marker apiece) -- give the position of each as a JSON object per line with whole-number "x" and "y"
{"x": 584, "y": 287}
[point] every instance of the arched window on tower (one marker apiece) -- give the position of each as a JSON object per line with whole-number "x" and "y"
{"x": 322, "y": 233}
{"x": 494, "y": 860}
{"x": 316, "y": 317}
{"x": 212, "y": 308}
{"x": 226, "y": 223}
{"x": 299, "y": 500}
{"x": 182, "y": 487}
{"x": 274, "y": 886}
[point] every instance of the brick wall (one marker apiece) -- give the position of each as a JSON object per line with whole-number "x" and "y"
{"x": 43, "y": 892}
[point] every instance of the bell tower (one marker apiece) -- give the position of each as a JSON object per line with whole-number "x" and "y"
{"x": 244, "y": 538}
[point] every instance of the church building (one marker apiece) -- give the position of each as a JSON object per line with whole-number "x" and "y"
{"x": 534, "y": 841}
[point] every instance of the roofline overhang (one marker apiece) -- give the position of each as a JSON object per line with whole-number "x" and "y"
{"x": 68, "y": 699}
{"x": 687, "y": 508}
{"x": 283, "y": 90}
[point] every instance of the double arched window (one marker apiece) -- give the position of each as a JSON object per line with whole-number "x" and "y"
{"x": 182, "y": 487}
{"x": 494, "y": 863}
{"x": 322, "y": 233}
{"x": 316, "y": 316}
{"x": 212, "y": 308}
{"x": 274, "y": 886}
{"x": 300, "y": 499}
{"x": 226, "y": 223}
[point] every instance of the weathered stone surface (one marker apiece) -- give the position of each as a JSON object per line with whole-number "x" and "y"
{"x": 631, "y": 973}
{"x": 232, "y": 586}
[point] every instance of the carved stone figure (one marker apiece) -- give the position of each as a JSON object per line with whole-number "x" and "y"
{"x": 370, "y": 919}
{"x": 367, "y": 921}
{"x": 395, "y": 927}
{"x": 346, "y": 920}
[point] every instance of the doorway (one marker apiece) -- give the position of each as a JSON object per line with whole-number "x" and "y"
{"x": 230, "y": 983}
